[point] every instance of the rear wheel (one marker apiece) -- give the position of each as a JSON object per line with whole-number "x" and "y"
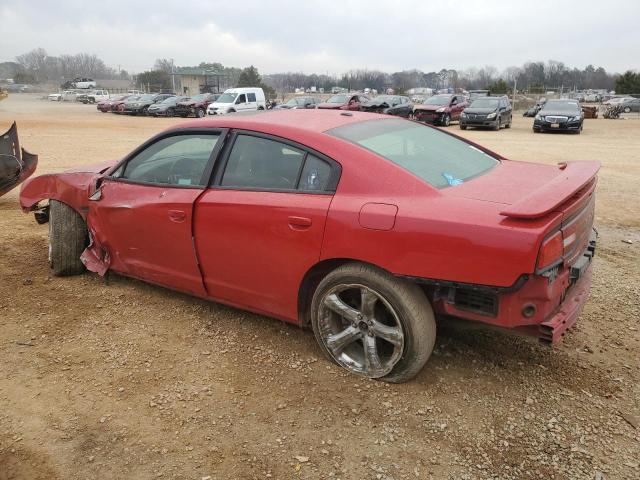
{"x": 67, "y": 239}
{"x": 372, "y": 323}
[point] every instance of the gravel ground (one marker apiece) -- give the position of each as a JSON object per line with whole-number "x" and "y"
{"x": 134, "y": 381}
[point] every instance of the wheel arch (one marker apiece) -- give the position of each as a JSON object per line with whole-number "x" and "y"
{"x": 312, "y": 279}
{"x": 69, "y": 189}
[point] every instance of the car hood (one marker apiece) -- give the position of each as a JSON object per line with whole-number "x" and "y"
{"x": 557, "y": 113}
{"x": 479, "y": 111}
{"x": 333, "y": 106}
{"x": 527, "y": 190}
{"x": 430, "y": 108}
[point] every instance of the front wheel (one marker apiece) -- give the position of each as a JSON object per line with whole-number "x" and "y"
{"x": 372, "y": 323}
{"x": 68, "y": 238}
{"x": 200, "y": 112}
{"x": 170, "y": 112}
{"x": 463, "y": 127}
{"x": 446, "y": 120}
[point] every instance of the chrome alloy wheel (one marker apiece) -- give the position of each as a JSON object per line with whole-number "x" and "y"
{"x": 361, "y": 330}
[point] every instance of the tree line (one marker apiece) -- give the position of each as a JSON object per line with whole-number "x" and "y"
{"x": 36, "y": 66}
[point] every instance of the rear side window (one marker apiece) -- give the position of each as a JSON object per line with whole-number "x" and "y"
{"x": 436, "y": 157}
{"x": 258, "y": 163}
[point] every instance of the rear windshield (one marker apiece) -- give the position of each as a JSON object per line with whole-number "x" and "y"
{"x": 436, "y": 157}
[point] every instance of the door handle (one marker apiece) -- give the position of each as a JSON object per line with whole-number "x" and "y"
{"x": 177, "y": 216}
{"x": 298, "y": 223}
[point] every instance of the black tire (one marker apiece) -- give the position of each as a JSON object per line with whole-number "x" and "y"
{"x": 144, "y": 111}
{"x": 627, "y": 110}
{"x": 446, "y": 120}
{"x": 67, "y": 239}
{"x": 508, "y": 125}
{"x": 407, "y": 299}
{"x": 463, "y": 127}
{"x": 200, "y": 113}
{"x": 498, "y": 125}
{"x": 170, "y": 112}
{"x": 260, "y": 108}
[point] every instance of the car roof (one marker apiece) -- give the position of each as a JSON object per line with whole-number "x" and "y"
{"x": 316, "y": 121}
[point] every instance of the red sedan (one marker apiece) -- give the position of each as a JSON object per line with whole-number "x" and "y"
{"x": 362, "y": 226}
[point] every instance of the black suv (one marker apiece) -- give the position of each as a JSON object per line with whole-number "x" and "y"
{"x": 493, "y": 112}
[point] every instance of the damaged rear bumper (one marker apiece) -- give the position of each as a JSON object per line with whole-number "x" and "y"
{"x": 16, "y": 164}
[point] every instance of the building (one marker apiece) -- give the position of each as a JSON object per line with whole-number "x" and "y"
{"x": 194, "y": 80}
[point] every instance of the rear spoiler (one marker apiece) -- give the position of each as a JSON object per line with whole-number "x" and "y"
{"x": 573, "y": 177}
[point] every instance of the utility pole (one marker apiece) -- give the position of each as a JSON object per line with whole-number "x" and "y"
{"x": 173, "y": 77}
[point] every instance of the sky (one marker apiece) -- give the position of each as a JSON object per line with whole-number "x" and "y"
{"x": 329, "y": 36}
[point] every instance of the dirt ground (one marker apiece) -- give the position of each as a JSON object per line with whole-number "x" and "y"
{"x": 134, "y": 381}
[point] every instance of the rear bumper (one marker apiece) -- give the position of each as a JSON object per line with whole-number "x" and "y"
{"x": 544, "y": 307}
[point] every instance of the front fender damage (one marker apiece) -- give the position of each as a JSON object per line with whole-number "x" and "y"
{"x": 96, "y": 257}
{"x": 16, "y": 164}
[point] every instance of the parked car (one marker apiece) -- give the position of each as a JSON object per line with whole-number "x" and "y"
{"x": 616, "y": 100}
{"x": 167, "y": 107}
{"x": 238, "y": 100}
{"x": 494, "y": 112}
{"x": 118, "y": 107}
{"x": 16, "y": 164}
{"x": 196, "y": 105}
{"x": 141, "y": 104}
{"x": 106, "y": 106}
{"x": 360, "y": 226}
{"x": 83, "y": 83}
{"x": 97, "y": 96}
{"x": 631, "y": 105}
{"x": 345, "y": 101}
{"x": 389, "y": 104}
{"x": 559, "y": 115}
{"x": 440, "y": 109}
{"x": 299, "y": 102}
{"x": 55, "y": 97}
{"x": 70, "y": 95}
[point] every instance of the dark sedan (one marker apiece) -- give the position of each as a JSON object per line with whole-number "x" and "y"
{"x": 165, "y": 108}
{"x": 141, "y": 105}
{"x": 389, "y": 104}
{"x": 559, "y": 115}
{"x": 299, "y": 102}
{"x": 632, "y": 105}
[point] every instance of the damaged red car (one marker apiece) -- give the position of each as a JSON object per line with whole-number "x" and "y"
{"x": 363, "y": 227}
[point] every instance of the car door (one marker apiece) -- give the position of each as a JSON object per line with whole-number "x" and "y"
{"x": 252, "y": 103}
{"x": 142, "y": 214}
{"x": 456, "y": 107}
{"x": 241, "y": 102}
{"x": 259, "y": 229}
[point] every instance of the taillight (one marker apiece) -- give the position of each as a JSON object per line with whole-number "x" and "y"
{"x": 551, "y": 251}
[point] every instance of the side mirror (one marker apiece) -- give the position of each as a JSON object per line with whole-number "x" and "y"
{"x": 95, "y": 187}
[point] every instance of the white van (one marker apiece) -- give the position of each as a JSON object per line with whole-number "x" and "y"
{"x": 238, "y": 100}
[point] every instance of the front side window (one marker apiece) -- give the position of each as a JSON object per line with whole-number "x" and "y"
{"x": 175, "y": 160}
{"x": 241, "y": 99}
{"x": 436, "y": 157}
{"x": 262, "y": 164}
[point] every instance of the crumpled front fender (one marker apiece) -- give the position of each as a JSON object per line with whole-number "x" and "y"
{"x": 16, "y": 164}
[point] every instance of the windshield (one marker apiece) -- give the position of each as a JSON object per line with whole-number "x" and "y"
{"x": 338, "y": 99}
{"x": 226, "y": 98}
{"x": 559, "y": 106}
{"x": 485, "y": 103}
{"x": 171, "y": 100}
{"x": 436, "y": 157}
{"x": 438, "y": 100}
{"x": 147, "y": 97}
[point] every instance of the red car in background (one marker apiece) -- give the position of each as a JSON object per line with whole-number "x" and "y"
{"x": 118, "y": 105}
{"x": 362, "y": 226}
{"x": 440, "y": 109}
{"x": 344, "y": 101}
{"x": 105, "y": 106}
